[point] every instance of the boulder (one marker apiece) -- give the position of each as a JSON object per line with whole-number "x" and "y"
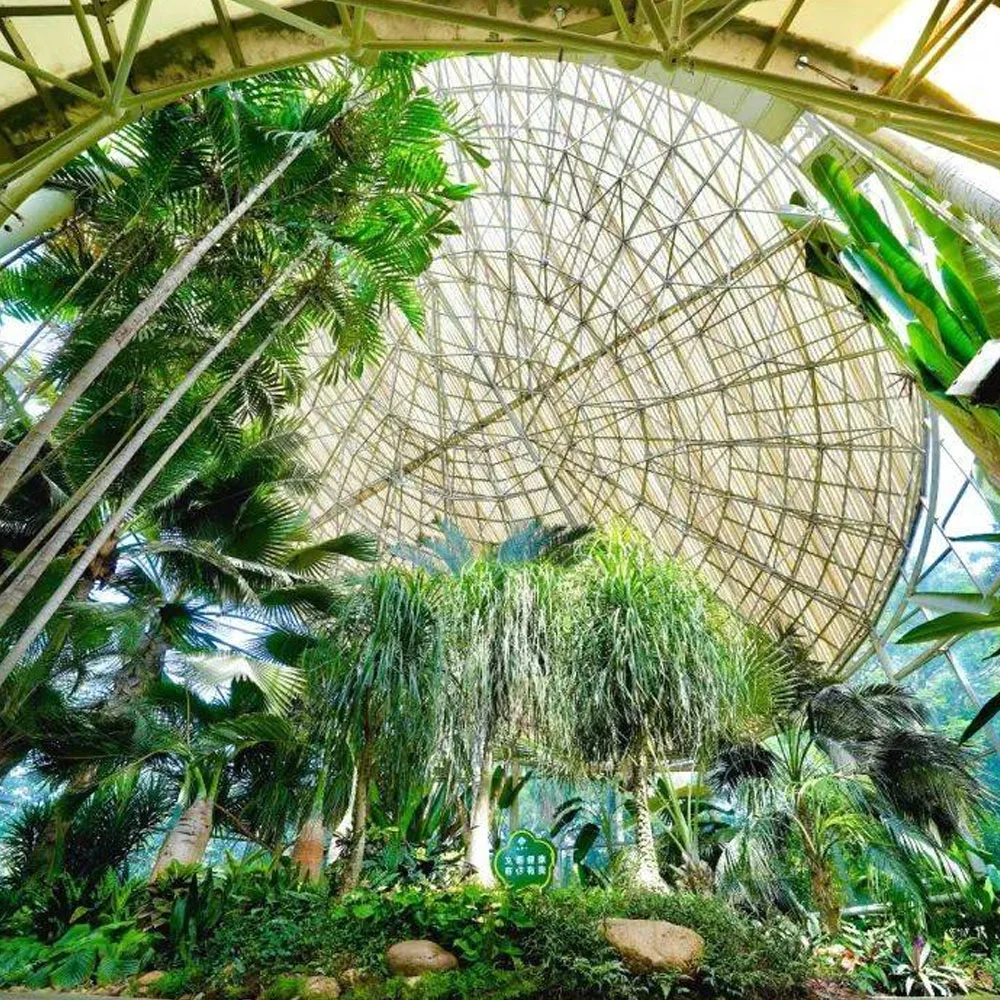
{"x": 146, "y": 983}
{"x": 417, "y": 958}
{"x": 655, "y": 945}
{"x": 322, "y": 987}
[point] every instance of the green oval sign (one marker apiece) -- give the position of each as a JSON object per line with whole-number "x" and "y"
{"x": 526, "y": 860}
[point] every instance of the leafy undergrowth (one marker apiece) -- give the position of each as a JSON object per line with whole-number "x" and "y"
{"x": 240, "y": 942}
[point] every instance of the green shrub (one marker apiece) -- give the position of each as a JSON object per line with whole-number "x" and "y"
{"x": 179, "y": 982}
{"x": 545, "y": 944}
{"x": 285, "y": 988}
{"x": 743, "y": 959}
{"x": 83, "y": 955}
{"x": 477, "y": 983}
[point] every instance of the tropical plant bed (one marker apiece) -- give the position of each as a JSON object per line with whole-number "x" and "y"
{"x": 528, "y": 944}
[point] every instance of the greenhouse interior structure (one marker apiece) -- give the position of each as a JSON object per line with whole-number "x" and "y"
{"x": 498, "y": 500}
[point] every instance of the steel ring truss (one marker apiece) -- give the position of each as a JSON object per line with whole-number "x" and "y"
{"x": 73, "y": 70}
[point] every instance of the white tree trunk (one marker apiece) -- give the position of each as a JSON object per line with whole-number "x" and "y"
{"x": 187, "y": 839}
{"x": 359, "y": 818}
{"x": 477, "y": 852}
{"x": 91, "y": 494}
{"x": 29, "y": 446}
{"x": 342, "y": 834}
{"x": 23, "y": 644}
{"x": 645, "y": 873}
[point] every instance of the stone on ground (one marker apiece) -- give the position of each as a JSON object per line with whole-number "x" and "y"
{"x": 322, "y": 987}
{"x": 417, "y": 958}
{"x": 655, "y": 945}
{"x": 146, "y": 983}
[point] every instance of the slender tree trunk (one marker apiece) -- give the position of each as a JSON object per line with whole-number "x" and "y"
{"x": 22, "y": 456}
{"x": 826, "y": 897}
{"x": 64, "y": 531}
{"x": 52, "y": 605}
{"x": 187, "y": 839}
{"x": 477, "y": 852}
{"x": 307, "y": 852}
{"x": 136, "y": 675}
{"x": 359, "y": 819}
{"x": 822, "y": 881}
{"x": 515, "y": 806}
{"x": 646, "y": 873}
{"x": 342, "y": 833}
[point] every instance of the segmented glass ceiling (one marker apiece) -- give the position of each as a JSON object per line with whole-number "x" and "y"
{"x": 625, "y": 327}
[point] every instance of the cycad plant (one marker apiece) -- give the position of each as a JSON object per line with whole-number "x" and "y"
{"x": 854, "y": 772}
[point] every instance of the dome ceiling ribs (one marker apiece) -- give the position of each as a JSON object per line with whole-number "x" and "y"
{"x": 624, "y": 328}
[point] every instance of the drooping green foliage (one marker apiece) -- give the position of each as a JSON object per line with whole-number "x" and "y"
{"x": 935, "y": 302}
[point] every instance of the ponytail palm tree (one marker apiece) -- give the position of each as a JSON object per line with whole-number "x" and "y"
{"x": 644, "y": 672}
{"x": 494, "y": 611}
{"x": 381, "y": 656}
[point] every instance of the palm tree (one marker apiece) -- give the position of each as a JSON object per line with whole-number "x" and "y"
{"x": 381, "y": 655}
{"x": 493, "y": 619}
{"x": 645, "y": 673}
{"x": 374, "y": 144}
{"x": 851, "y": 769}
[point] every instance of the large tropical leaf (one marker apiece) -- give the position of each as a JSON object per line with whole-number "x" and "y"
{"x": 279, "y": 683}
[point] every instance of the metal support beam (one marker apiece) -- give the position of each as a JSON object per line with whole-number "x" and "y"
{"x": 26, "y": 63}
{"x": 132, "y": 40}
{"x": 96, "y": 62}
{"x": 293, "y": 20}
{"x": 895, "y": 84}
{"x": 778, "y": 36}
{"x": 37, "y": 75}
{"x": 228, "y": 34}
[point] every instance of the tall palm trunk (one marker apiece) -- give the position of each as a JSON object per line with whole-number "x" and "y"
{"x": 477, "y": 851}
{"x": 22, "y": 456}
{"x": 188, "y": 838}
{"x": 646, "y": 872}
{"x": 822, "y": 881}
{"x": 52, "y": 605}
{"x": 359, "y": 819}
{"x": 307, "y": 852}
{"x": 94, "y": 491}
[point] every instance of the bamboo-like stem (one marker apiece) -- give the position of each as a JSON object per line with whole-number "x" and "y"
{"x": 359, "y": 819}
{"x": 52, "y": 605}
{"x": 32, "y": 573}
{"x": 22, "y": 456}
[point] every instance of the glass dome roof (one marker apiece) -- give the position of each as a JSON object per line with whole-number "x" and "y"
{"x": 625, "y": 327}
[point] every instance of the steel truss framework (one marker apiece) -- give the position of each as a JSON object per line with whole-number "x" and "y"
{"x": 625, "y": 327}
{"x": 114, "y": 59}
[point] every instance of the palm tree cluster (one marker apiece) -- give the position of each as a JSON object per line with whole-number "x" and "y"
{"x": 154, "y": 537}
